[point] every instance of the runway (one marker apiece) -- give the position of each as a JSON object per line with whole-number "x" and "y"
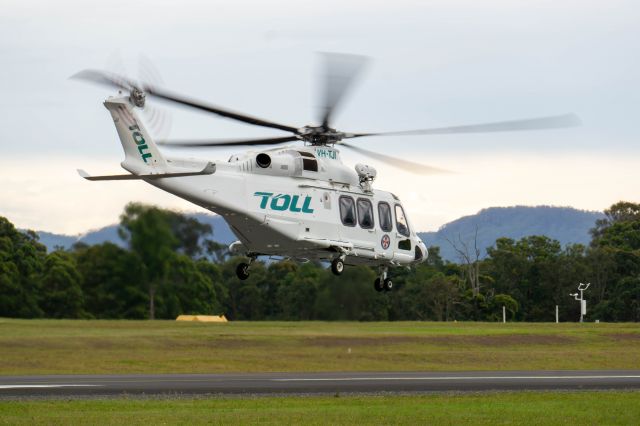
{"x": 313, "y": 383}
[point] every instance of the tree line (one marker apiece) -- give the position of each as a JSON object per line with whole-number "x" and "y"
{"x": 172, "y": 266}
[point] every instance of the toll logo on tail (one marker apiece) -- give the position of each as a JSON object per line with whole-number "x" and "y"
{"x": 139, "y": 140}
{"x": 140, "y": 151}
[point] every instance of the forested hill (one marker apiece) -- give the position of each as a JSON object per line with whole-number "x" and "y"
{"x": 221, "y": 234}
{"x": 565, "y": 224}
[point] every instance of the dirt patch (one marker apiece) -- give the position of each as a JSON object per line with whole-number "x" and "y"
{"x": 338, "y": 341}
{"x": 509, "y": 339}
{"x": 215, "y": 343}
{"x": 35, "y": 344}
{"x": 496, "y": 340}
{"x": 626, "y": 337}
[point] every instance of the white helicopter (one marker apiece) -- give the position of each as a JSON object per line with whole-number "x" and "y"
{"x": 300, "y": 202}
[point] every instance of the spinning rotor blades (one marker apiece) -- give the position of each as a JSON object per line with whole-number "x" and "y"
{"x": 203, "y": 106}
{"x": 340, "y": 71}
{"x": 227, "y": 142}
{"x": 540, "y": 123}
{"x": 409, "y": 166}
{"x": 105, "y": 78}
{"x": 157, "y": 119}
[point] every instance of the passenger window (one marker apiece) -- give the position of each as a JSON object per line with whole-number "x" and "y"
{"x": 365, "y": 213}
{"x": 401, "y": 221}
{"x": 347, "y": 211}
{"x": 384, "y": 215}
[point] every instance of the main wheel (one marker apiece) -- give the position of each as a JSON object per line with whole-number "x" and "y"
{"x": 387, "y": 284}
{"x": 377, "y": 284}
{"x": 242, "y": 271}
{"x": 337, "y": 266}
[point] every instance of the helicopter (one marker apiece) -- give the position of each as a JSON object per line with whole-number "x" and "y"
{"x": 294, "y": 201}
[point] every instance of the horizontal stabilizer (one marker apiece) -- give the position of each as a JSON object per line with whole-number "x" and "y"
{"x": 209, "y": 169}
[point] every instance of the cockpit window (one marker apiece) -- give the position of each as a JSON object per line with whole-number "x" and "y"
{"x": 347, "y": 211}
{"x": 365, "y": 213}
{"x": 401, "y": 221}
{"x": 384, "y": 215}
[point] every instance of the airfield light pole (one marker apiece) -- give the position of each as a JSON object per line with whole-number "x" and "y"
{"x": 580, "y": 297}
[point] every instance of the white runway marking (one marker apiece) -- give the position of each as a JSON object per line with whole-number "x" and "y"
{"x": 44, "y": 386}
{"x": 355, "y": 379}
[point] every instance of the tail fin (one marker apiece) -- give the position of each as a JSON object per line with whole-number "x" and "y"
{"x": 141, "y": 153}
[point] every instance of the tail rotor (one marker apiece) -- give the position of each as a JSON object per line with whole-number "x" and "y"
{"x": 158, "y": 120}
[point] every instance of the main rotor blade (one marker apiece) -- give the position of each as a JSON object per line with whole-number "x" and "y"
{"x": 541, "y": 123}
{"x": 223, "y": 142}
{"x": 183, "y": 100}
{"x": 409, "y": 166}
{"x": 340, "y": 72}
{"x": 105, "y": 78}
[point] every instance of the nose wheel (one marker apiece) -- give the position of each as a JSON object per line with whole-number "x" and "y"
{"x": 383, "y": 283}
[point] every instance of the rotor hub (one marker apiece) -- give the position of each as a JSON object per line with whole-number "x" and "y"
{"x": 319, "y": 135}
{"x": 137, "y": 97}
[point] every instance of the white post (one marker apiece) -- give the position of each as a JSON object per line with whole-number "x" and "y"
{"x": 504, "y": 314}
{"x": 557, "y": 314}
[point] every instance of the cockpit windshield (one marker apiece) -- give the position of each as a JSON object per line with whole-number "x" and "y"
{"x": 401, "y": 221}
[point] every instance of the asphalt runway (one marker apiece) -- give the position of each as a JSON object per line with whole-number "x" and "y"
{"x": 312, "y": 383}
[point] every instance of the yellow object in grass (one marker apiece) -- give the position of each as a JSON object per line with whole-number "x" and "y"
{"x": 202, "y": 318}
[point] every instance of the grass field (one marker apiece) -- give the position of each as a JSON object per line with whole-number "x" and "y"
{"x": 540, "y": 408}
{"x": 70, "y": 347}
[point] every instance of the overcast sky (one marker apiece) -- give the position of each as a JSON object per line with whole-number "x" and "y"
{"x": 435, "y": 63}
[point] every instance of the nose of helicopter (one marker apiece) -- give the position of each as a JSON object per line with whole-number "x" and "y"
{"x": 421, "y": 252}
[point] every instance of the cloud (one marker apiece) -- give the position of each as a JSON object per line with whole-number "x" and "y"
{"x": 48, "y": 194}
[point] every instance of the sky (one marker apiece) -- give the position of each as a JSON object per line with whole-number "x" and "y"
{"x": 434, "y": 63}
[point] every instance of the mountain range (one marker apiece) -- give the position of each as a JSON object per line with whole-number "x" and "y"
{"x": 565, "y": 224}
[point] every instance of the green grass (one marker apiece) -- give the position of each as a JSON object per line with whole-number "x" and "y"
{"x": 540, "y": 408}
{"x": 74, "y": 347}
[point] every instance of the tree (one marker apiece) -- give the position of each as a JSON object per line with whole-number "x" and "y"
{"x": 296, "y": 293}
{"x": 191, "y": 234}
{"x": 21, "y": 262}
{"x": 214, "y": 272}
{"x": 431, "y": 296}
{"x": 529, "y": 271}
{"x": 500, "y": 300}
{"x": 187, "y": 290}
{"x": 615, "y": 261}
{"x": 111, "y": 281}
{"x": 148, "y": 230}
{"x": 350, "y": 297}
{"x": 61, "y": 291}
{"x": 246, "y": 298}
{"x": 619, "y": 213}
{"x": 470, "y": 259}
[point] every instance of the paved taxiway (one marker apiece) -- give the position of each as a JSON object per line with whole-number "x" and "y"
{"x": 305, "y": 383}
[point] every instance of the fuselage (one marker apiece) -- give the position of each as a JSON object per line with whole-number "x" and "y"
{"x": 303, "y": 203}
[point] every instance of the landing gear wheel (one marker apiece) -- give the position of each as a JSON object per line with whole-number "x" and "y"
{"x": 377, "y": 284}
{"x": 242, "y": 271}
{"x": 337, "y": 266}
{"x": 387, "y": 284}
